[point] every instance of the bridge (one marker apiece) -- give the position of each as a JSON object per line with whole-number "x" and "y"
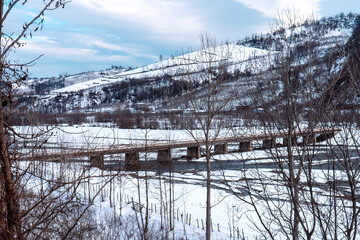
{"x": 163, "y": 148}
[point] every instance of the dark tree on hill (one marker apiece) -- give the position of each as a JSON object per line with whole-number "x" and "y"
{"x": 347, "y": 79}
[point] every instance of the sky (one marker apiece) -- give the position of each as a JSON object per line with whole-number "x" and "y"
{"x": 92, "y": 35}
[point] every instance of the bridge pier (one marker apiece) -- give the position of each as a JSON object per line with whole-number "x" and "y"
{"x": 97, "y": 161}
{"x": 221, "y": 148}
{"x": 132, "y": 160}
{"x": 309, "y": 139}
{"x": 193, "y": 152}
{"x": 293, "y": 141}
{"x": 324, "y": 137}
{"x": 164, "y": 155}
{"x": 246, "y": 146}
{"x": 269, "y": 143}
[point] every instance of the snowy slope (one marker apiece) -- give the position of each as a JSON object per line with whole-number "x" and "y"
{"x": 232, "y": 53}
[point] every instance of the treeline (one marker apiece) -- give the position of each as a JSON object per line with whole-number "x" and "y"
{"x": 275, "y": 40}
{"x": 121, "y": 118}
{"x": 129, "y": 90}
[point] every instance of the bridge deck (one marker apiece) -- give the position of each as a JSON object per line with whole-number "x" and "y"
{"x": 159, "y": 145}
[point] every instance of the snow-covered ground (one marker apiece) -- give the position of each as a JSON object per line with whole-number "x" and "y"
{"x": 122, "y": 194}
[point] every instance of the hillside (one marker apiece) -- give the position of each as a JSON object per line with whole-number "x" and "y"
{"x": 156, "y": 85}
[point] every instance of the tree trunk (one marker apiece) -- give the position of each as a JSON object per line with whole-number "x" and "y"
{"x": 12, "y": 222}
{"x": 295, "y": 189}
{"x": 10, "y": 194}
{"x": 208, "y": 193}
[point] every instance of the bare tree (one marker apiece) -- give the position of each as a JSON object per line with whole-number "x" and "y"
{"x": 342, "y": 218}
{"x": 13, "y": 74}
{"x": 206, "y": 75}
{"x": 296, "y": 100}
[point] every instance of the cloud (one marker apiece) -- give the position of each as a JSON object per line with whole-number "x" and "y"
{"x": 43, "y": 39}
{"x": 108, "y": 46}
{"x": 130, "y": 49}
{"x": 82, "y": 50}
{"x": 58, "y": 52}
{"x": 162, "y": 17}
{"x": 271, "y": 8}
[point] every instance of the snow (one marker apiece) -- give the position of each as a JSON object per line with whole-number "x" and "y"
{"x": 232, "y": 53}
{"x": 230, "y": 213}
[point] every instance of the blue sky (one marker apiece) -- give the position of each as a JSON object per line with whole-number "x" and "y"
{"x": 92, "y": 35}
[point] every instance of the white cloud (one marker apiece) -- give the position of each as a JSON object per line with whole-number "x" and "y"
{"x": 42, "y": 39}
{"x": 130, "y": 49}
{"x": 58, "y": 52}
{"x": 271, "y": 8}
{"x": 107, "y": 46}
{"x": 162, "y": 17}
{"x": 115, "y": 58}
{"x": 81, "y": 50}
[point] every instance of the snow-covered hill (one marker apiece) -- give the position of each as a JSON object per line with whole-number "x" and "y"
{"x": 187, "y": 63}
{"x": 162, "y": 81}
